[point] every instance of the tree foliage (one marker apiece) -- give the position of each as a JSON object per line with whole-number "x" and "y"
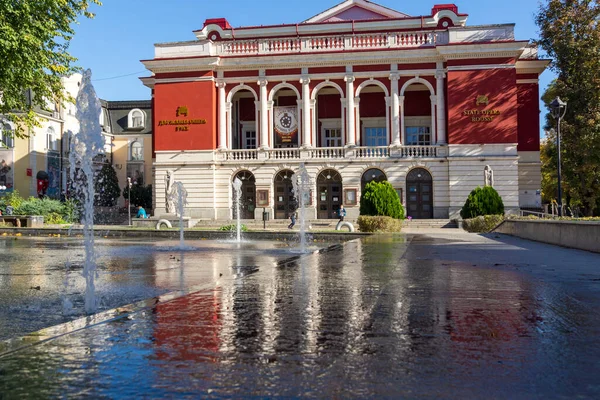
{"x": 482, "y": 201}
{"x": 107, "y": 187}
{"x": 380, "y": 199}
{"x": 570, "y": 35}
{"x": 140, "y": 195}
{"x": 34, "y": 41}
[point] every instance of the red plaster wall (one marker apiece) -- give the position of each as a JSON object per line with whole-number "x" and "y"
{"x": 247, "y": 109}
{"x": 403, "y": 67}
{"x": 291, "y": 71}
{"x": 372, "y": 104}
{"x": 326, "y": 70}
{"x": 500, "y": 87}
{"x": 369, "y": 68}
{"x": 237, "y": 74}
{"x": 200, "y": 99}
{"x": 417, "y": 104}
{"x": 187, "y": 74}
{"x": 528, "y": 117}
{"x": 285, "y": 101}
{"x": 482, "y": 61}
{"x": 329, "y": 106}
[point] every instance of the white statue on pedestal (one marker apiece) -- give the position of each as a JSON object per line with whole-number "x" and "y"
{"x": 488, "y": 176}
{"x": 169, "y": 180}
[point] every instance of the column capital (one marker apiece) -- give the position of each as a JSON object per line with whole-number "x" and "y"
{"x": 220, "y": 84}
{"x": 313, "y": 103}
{"x": 299, "y": 102}
{"x": 305, "y": 80}
{"x": 401, "y": 99}
{"x": 433, "y": 99}
{"x": 262, "y": 82}
{"x": 344, "y": 101}
{"x": 394, "y": 76}
{"x": 257, "y": 103}
{"x": 349, "y": 78}
{"x": 228, "y": 106}
{"x": 270, "y": 104}
{"x": 357, "y": 100}
{"x": 388, "y": 100}
{"x": 440, "y": 74}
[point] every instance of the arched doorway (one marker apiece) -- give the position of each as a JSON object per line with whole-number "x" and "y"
{"x": 329, "y": 197}
{"x": 419, "y": 194}
{"x": 248, "y": 203}
{"x": 285, "y": 202}
{"x": 370, "y": 175}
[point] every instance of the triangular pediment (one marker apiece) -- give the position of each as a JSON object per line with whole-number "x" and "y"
{"x": 355, "y": 10}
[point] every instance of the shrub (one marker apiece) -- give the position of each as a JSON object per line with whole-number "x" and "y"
{"x": 378, "y": 224}
{"x": 233, "y": 228}
{"x": 380, "y": 199}
{"x": 54, "y": 219}
{"x": 482, "y": 224}
{"x": 12, "y": 199}
{"x": 53, "y": 211}
{"x": 482, "y": 201}
{"x": 106, "y": 187}
{"x": 35, "y": 206}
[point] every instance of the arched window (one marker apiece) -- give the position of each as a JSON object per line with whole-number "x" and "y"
{"x": 136, "y": 119}
{"x": 6, "y": 136}
{"x": 136, "y": 152}
{"x": 370, "y": 175}
{"x": 51, "y": 140}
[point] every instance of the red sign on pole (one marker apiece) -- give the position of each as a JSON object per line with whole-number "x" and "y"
{"x": 29, "y": 172}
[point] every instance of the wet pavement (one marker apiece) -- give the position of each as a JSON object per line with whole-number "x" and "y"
{"x": 418, "y": 316}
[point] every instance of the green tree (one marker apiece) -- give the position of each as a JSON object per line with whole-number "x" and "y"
{"x": 107, "y": 187}
{"x": 140, "y": 195}
{"x": 570, "y": 35}
{"x": 380, "y": 199}
{"x": 482, "y": 201}
{"x": 34, "y": 41}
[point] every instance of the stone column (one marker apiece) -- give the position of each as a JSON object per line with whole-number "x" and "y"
{"x": 301, "y": 135}
{"x": 264, "y": 114}
{"x": 357, "y": 113}
{"x": 402, "y": 125}
{"x": 228, "y": 126}
{"x": 351, "y": 129}
{"x": 433, "y": 130}
{"x": 222, "y": 116}
{"x": 306, "y": 124}
{"x": 441, "y": 107}
{"x": 396, "y": 110}
{"x": 387, "y": 116}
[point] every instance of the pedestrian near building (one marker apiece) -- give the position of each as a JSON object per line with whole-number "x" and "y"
{"x": 293, "y": 217}
{"x": 141, "y": 212}
{"x": 341, "y": 213}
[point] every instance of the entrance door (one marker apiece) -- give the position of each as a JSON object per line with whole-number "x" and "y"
{"x": 285, "y": 202}
{"x": 249, "y": 140}
{"x": 329, "y": 195}
{"x": 248, "y": 201}
{"x": 419, "y": 194}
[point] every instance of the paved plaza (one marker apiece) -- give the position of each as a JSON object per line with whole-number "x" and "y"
{"x": 428, "y": 314}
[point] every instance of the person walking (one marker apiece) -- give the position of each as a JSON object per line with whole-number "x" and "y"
{"x": 341, "y": 213}
{"x": 293, "y": 219}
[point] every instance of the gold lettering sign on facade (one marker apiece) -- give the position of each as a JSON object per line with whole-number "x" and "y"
{"x": 181, "y": 125}
{"x": 478, "y": 115}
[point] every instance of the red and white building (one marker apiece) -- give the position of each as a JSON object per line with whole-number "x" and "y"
{"x": 356, "y": 93}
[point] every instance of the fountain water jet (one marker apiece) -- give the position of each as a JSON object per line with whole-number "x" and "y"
{"x": 237, "y": 190}
{"x": 178, "y": 196}
{"x": 86, "y": 146}
{"x": 301, "y": 183}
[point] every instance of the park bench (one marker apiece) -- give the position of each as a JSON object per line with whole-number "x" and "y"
{"x": 23, "y": 221}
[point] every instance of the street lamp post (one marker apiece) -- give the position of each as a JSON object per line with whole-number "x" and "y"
{"x": 129, "y": 199}
{"x": 559, "y": 108}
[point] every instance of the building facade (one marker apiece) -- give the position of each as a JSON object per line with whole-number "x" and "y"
{"x": 33, "y": 165}
{"x": 356, "y": 93}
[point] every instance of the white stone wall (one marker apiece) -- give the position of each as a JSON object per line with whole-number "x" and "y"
{"x": 530, "y": 179}
{"x": 209, "y": 182}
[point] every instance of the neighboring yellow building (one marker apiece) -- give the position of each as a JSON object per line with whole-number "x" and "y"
{"x": 33, "y": 165}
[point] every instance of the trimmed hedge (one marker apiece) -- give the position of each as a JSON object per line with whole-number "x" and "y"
{"x": 380, "y": 199}
{"x": 233, "y": 228}
{"x": 482, "y": 224}
{"x": 482, "y": 201}
{"x": 378, "y": 224}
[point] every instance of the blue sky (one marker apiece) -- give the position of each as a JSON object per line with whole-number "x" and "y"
{"x": 124, "y": 31}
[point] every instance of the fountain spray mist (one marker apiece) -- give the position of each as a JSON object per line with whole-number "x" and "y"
{"x": 85, "y": 147}
{"x": 179, "y": 196}
{"x": 237, "y": 189}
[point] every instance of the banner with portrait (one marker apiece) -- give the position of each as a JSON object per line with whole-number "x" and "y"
{"x": 285, "y": 125}
{"x": 53, "y": 175}
{"x": 7, "y": 170}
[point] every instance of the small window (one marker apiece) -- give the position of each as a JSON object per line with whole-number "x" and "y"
{"x": 375, "y": 137}
{"x": 51, "y": 141}
{"x": 136, "y": 119}
{"x": 137, "y": 151}
{"x": 6, "y": 136}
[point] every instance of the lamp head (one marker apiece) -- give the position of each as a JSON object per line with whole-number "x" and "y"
{"x": 558, "y": 107}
